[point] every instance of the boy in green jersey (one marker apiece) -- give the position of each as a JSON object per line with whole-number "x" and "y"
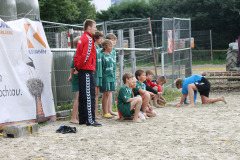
{"x": 108, "y": 80}
{"x": 98, "y": 37}
{"x": 113, "y": 39}
{"x": 127, "y": 104}
{"x": 73, "y": 78}
{"x": 140, "y": 89}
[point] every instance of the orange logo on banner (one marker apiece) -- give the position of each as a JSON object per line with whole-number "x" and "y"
{"x": 36, "y": 35}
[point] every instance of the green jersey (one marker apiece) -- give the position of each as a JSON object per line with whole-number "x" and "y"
{"x": 139, "y": 86}
{"x": 113, "y": 53}
{"x": 125, "y": 93}
{"x": 75, "y": 81}
{"x": 107, "y": 68}
{"x": 98, "y": 69}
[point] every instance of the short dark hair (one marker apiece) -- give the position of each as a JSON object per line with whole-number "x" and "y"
{"x": 162, "y": 79}
{"x": 97, "y": 35}
{"x": 111, "y": 36}
{"x": 138, "y": 73}
{"x": 148, "y": 72}
{"x": 86, "y": 23}
{"x": 178, "y": 83}
{"x": 126, "y": 76}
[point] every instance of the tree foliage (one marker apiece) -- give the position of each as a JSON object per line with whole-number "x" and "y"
{"x": 66, "y": 11}
{"x": 132, "y": 9}
{"x": 221, "y": 16}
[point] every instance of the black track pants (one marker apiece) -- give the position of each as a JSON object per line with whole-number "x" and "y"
{"x": 86, "y": 106}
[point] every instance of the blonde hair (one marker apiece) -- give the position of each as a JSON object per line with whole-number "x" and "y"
{"x": 111, "y": 36}
{"x": 86, "y": 23}
{"x": 106, "y": 43}
{"x": 75, "y": 41}
{"x": 178, "y": 83}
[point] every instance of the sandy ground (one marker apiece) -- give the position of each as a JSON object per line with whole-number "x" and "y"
{"x": 176, "y": 133}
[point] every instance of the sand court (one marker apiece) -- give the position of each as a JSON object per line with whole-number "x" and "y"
{"x": 209, "y": 131}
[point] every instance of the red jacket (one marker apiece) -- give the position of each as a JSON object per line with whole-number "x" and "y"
{"x": 151, "y": 84}
{"x": 85, "y": 57}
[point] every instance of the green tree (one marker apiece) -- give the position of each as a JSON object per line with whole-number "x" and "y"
{"x": 86, "y": 10}
{"x": 66, "y": 11}
{"x": 132, "y": 9}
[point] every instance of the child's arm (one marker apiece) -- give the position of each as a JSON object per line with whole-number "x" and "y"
{"x": 141, "y": 91}
{"x": 182, "y": 100}
{"x": 71, "y": 73}
{"x": 131, "y": 99}
{"x": 149, "y": 88}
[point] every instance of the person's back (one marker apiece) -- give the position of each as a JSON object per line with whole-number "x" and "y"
{"x": 189, "y": 80}
{"x": 85, "y": 57}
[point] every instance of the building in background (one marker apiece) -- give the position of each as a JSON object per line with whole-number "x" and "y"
{"x": 117, "y": 2}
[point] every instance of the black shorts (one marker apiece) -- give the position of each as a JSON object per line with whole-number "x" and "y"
{"x": 203, "y": 87}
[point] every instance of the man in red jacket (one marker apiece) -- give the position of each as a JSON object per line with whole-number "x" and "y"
{"x": 84, "y": 65}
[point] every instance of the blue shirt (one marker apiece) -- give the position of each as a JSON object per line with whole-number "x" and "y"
{"x": 189, "y": 80}
{"x": 186, "y": 82}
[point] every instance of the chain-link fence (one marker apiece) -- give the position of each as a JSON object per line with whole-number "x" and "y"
{"x": 135, "y": 49}
{"x": 177, "y": 54}
{"x": 203, "y": 50}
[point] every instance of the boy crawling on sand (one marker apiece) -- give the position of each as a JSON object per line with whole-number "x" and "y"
{"x": 196, "y": 83}
{"x": 127, "y": 104}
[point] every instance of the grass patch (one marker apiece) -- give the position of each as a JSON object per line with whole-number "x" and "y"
{"x": 171, "y": 95}
{"x": 64, "y": 106}
{"x": 42, "y": 124}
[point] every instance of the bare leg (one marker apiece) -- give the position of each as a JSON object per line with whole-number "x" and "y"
{"x": 191, "y": 88}
{"x": 74, "y": 118}
{"x": 110, "y": 104}
{"x": 96, "y": 102}
{"x": 155, "y": 99}
{"x": 206, "y": 100}
{"x": 151, "y": 113}
{"x": 145, "y": 99}
{"x": 105, "y": 102}
{"x": 136, "y": 104}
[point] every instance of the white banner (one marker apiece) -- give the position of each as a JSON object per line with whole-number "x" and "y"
{"x": 25, "y": 72}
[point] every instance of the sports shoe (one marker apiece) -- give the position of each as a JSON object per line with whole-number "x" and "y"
{"x": 107, "y": 115}
{"x": 95, "y": 124}
{"x": 59, "y": 130}
{"x": 68, "y": 129}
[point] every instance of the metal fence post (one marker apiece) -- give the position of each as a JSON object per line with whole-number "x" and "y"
{"x": 71, "y": 37}
{"x": 211, "y": 45}
{"x": 188, "y": 66}
{"x": 173, "y": 51}
{"x": 163, "y": 50}
{"x": 121, "y": 55}
{"x": 56, "y": 41}
{"x": 132, "y": 45}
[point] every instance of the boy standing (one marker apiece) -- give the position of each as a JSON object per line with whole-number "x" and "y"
{"x": 84, "y": 62}
{"x": 113, "y": 39}
{"x": 127, "y": 105}
{"x": 196, "y": 83}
